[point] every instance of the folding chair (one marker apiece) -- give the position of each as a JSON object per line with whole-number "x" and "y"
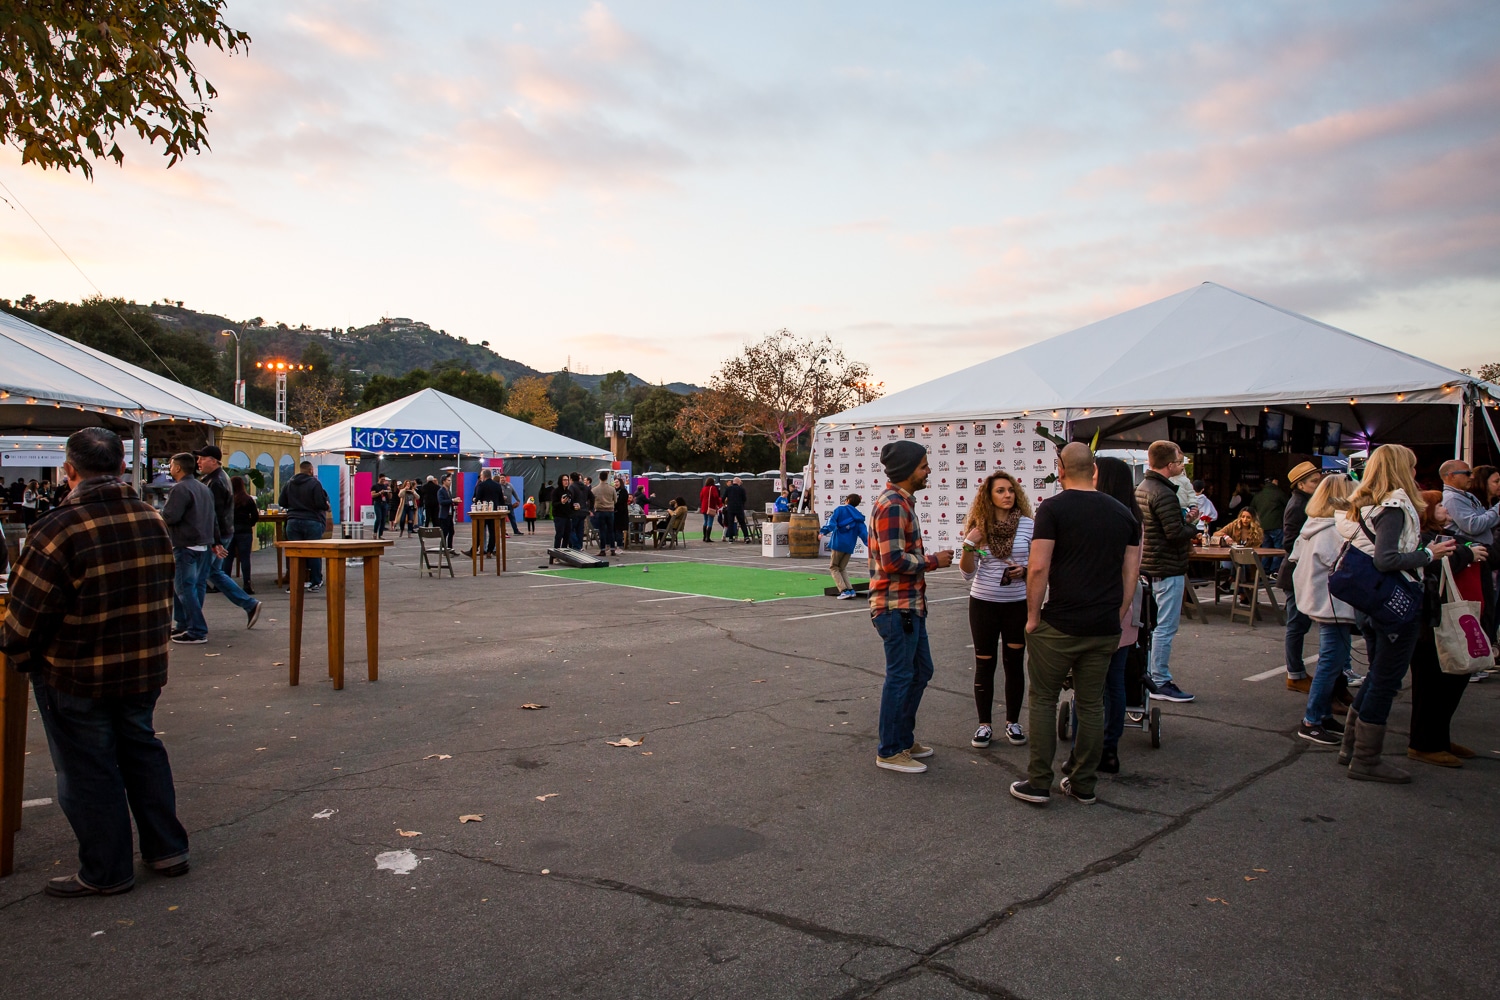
{"x": 1249, "y": 583}
{"x": 673, "y": 531}
{"x": 444, "y": 555}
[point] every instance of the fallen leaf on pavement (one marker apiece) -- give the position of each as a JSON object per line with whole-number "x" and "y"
{"x": 546, "y": 871}
{"x": 1216, "y": 899}
{"x": 171, "y": 908}
{"x": 533, "y": 705}
{"x": 408, "y": 833}
{"x": 1251, "y": 878}
{"x": 549, "y": 795}
{"x": 674, "y": 703}
{"x": 646, "y": 753}
{"x": 438, "y": 756}
{"x": 761, "y": 681}
{"x": 1260, "y": 870}
{"x": 262, "y": 748}
{"x": 626, "y": 741}
{"x": 213, "y": 654}
{"x": 472, "y": 818}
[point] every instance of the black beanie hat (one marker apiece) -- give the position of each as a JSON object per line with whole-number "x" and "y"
{"x": 901, "y": 459}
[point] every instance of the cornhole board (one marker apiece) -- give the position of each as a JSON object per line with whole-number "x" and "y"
{"x": 576, "y": 559}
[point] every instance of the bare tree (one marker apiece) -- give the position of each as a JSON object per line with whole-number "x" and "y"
{"x": 776, "y": 389}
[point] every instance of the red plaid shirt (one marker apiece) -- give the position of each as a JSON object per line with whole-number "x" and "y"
{"x": 898, "y": 566}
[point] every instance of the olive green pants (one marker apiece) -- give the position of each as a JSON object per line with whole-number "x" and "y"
{"x": 1050, "y": 657}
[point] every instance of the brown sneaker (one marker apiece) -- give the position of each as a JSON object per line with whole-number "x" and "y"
{"x": 901, "y": 762}
{"x": 1441, "y": 758}
{"x": 918, "y": 750}
{"x": 1299, "y": 684}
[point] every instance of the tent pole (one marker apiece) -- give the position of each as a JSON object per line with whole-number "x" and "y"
{"x": 1491, "y": 425}
{"x": 137, "y": 460}
{"x": 1458, "y": 433}
{"x": 1468, "y": 449}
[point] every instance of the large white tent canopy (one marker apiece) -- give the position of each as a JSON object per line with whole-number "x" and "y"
{"x": 482, "y": 432}
{"x": 1207, "y": 346}
{"x": 48, "y": 381}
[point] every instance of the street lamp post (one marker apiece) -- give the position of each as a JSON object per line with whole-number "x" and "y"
{"x": 239, "y": 383}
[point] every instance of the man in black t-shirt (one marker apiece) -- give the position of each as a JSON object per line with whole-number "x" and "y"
{"x": 1086, "y": 548}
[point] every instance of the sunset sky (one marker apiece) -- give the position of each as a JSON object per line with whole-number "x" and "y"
{"x": 646, "y": 185}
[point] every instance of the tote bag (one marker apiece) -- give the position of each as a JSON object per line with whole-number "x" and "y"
{"x": 1462, "y": 646}
{"x": 1390, "y": 599}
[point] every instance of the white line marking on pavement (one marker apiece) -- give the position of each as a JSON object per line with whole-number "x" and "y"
{"x": 1266, "y": 675}
{"x": 32, "y": 803}
{"x": 653, "y": 600}
{"x": 544, "y": 586}
{"x": 827, "y": 614}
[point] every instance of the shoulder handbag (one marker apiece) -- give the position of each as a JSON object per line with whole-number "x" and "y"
{"x": 1392, "y": 601}
{"x": 1462, "y": 646}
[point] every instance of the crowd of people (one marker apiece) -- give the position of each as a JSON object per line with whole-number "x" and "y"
{"x": 1090, "y": 582}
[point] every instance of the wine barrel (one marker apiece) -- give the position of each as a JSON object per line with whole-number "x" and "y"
{"x": 781, "y": 516}
{"x": 803, "y": 536}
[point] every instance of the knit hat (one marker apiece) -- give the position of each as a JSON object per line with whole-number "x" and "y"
{"x": 901, "y": 459}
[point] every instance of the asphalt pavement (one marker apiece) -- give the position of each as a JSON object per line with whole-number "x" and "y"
{"x": 747, "y": 846}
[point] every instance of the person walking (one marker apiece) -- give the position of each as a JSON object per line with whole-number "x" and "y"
{"x": 380, "y": 497}
{"x": 410, "y": 500}
{"x": 305, "y": 501}
{"x": 1085, "y": 557}
{"x": 1304, "y": 478}
{"x": 845, "y": 529}
{"x": 189, "y": 515}
{"x": 212, "y": 475}
{"x": 1384, "y": 522}
{"x": 1314, "y": 555}
{"x": 898, "y": 603}
{"x": 709, "y": 503}
{"x": 735, "y": 499}
{"x": 996, "y": 546}
{"x": 89, "y": 616}
{"x": 1115, "y": 479}
{"x": 604, "y": 516}
{"x": 1434, "y": 694}
{"x": 1167, "y": 544}
{"x": 246, "y": 516}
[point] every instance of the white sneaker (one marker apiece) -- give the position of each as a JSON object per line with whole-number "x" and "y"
{"x": 1015, "y": 734}
{"x": 982, "y": 736}
{"x": 848, "y": 595}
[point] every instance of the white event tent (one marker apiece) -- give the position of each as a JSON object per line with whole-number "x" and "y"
{"x": 1239, "y": 382}
{"x": 1206, "y": 352}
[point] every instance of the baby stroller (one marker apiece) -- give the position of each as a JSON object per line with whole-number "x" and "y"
{"x": 1139, "y": 712}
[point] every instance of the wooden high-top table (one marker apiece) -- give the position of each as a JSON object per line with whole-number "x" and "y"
{"x": 336, "y": 551}
{"x": 14, "y": 705}
{"x": 477, "y": 518}
{"x": 278, "y": 519}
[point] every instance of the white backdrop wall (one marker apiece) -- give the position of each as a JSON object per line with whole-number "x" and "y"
{"x": 846, "y": 459}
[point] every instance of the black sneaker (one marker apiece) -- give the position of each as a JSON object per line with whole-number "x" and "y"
{"x": 1073, "y": 793}
{"x": 1170, "y": 692}
{"x": 1027, "y": 792}
{"x": 1109, "y": 762}
{"x": 982, "y": 736}
{"x": 1319, "y": 735}
{"x": 1333, "y": 725}
{"x": 253, "y": 615}
{"x": 314, "y": 587}
{"x": 188, "y": 640}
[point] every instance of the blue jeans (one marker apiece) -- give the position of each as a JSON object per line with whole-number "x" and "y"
{"x": 908, "y": 668}
{"x": 1273, "y": 541}
{"x": 1297, "y": 626}
{"x": 215, "y": 575}
{"x": 187, "y": 591}
{"x": 1333, "y": 660}
{"x": 1168, "y": 591}
{"x": 302, "y": 529}
{"x": 708, "y": 525}
{"x": 1388, "y": 666}
{"x": 575, "y": 533}
{"x": 380, "y": 515}
{"x": 604, "y": 523}
{"x": 239, "y": 555}
{"x": 1114, "y": 699}
{"x": 110, "y": 766}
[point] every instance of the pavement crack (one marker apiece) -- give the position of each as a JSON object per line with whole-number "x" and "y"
{"x": 829, "y": 935}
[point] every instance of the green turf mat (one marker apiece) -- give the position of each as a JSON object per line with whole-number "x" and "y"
{"x": 736, "y": 583}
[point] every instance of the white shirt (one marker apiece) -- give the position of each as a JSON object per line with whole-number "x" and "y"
{"x": 984, "y": 582}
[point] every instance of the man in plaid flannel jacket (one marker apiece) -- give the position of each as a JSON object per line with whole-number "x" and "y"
{"x": 898, "y": 604}
{"x": 89, "y": 618}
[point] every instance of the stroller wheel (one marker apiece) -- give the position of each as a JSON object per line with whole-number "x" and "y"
{"x": 1156, "y": 729}
{"x": 1064, "y": 720}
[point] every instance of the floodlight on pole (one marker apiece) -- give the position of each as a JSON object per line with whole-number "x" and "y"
{"x": 281, "y": 368}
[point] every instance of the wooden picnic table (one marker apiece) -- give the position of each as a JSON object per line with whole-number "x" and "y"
{"x": 501, "y": 517}
{"x": 15, "y": 703}
{"x": 1215, "y": 554}
{"x": 278, "y": 518}
{"x": 336, "y": 551}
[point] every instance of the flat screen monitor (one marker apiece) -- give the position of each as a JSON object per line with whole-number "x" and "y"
{"x": 1332, "y": 437}
{"x": 1271, "y": 425}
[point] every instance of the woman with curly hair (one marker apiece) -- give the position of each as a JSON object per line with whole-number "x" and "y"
{"x": 996, "y": 548}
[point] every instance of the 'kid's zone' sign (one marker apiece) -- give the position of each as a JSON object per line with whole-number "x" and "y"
{"x": 404, "y": 441}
